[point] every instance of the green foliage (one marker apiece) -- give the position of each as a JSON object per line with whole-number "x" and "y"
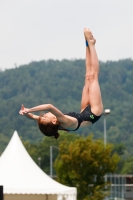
{"x": 83, "y": 164}
{"x": 120, "y": 150}
{"x": 61, "y": 83}
{"x": 98, "y": 194}
{"x": 128, "y": 166}
{"x": 42, "y": 149}
{"x": 3, "y": 141}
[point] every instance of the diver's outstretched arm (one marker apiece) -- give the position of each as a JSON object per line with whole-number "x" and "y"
{"x": 44, "y": 107}
{"x": 32, "y": 116}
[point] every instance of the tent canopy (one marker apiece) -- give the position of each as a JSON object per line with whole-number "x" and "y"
{"x": 21, "y": 175}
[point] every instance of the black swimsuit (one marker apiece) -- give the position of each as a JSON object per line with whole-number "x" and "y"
{"x": 85, "y": 115}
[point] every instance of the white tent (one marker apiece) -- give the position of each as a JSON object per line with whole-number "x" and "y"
{"x": 23, "y": 179}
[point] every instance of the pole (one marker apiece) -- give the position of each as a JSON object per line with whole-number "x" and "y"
{"x": 51, "y": 162}
{"x": 106, "y": 112}
{"x": 104, "y": 121}
{"x": 39, "y": 161}
{"x": 1, "y": 193}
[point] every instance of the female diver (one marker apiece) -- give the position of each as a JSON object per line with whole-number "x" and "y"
{"x": 91, "y": 102}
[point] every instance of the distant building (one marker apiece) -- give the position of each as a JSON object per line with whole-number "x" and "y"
{"x": 121, "y": 187}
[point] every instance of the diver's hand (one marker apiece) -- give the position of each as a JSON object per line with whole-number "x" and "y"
{"x": 23, "y": 110}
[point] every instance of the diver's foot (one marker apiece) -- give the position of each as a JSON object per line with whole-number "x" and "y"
{"x": 88, "y": 36}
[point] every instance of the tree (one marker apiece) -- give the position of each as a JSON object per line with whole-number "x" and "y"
{"x": 42, "y": 149}
{"x": 120, "y": 150}
{"x": 64, "y": 91}
{"x": 83, "y": 164}
{"x": 128, "y": 166}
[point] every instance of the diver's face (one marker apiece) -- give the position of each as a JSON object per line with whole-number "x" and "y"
{"x": 48, "y": 117}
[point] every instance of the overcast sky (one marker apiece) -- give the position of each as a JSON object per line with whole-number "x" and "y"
{"x": 34, "y": 30}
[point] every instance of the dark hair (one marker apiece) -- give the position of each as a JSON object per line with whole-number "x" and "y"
{"x": 48, "y": 128}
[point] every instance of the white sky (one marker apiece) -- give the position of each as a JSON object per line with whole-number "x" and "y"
{"x": 34, "y": 30}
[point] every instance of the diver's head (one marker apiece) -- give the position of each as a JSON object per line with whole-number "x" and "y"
{"x": 49, "y": 125}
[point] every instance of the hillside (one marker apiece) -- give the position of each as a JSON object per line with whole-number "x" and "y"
{"x": 61, "y": 83}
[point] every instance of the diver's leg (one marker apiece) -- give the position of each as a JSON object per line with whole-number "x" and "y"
{"x": 91, "y": 92}
{"x": 85, "y": 93}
